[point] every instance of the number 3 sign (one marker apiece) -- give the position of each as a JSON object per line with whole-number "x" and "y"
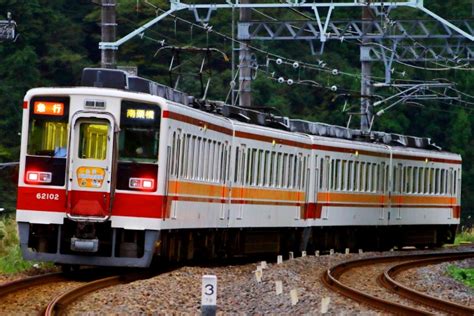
{"x": 209, "y": 295}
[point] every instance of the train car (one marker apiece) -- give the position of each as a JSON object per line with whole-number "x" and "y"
{"x": 123, "y": 170}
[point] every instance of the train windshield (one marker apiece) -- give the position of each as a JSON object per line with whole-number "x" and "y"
{"x": 48, "y": 127}
{"x": 47, "y": 138}
{"x": 139, "y": 132}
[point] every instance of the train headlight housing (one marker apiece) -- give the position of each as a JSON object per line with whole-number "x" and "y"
{"x": 39, "y": 177}
{"x": 141, "y": 183}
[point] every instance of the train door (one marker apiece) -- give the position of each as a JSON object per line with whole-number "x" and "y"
{"x": 90, "y": 160}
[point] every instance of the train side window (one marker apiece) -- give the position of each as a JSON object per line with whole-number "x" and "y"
{"x": 356, "y": 176}
{"x": 375, "y": 173}
{"x": 321, "y": 173}
{"x": 223, "y": 163}
{"x": 442, "y": 182}
{"x": 185, "y": 156}
{"x": 338, "y": 174}
{"x": 177, "y": 156}
{"x": 350, "y": 176}
{"x": 243, "y": 165}
{"x": 362, "y": 177}
{"x": 421, "y": 177}
{"x": 450, "y": 181}
{"x": 408, "y": 179}
{"x": 343, "y": 185}
{"x": 381, "y": 176}
{"x": 294, "y": 171}
{"x": 259, "y": 169}
{"x": 303, "y": 174}
{"x": 332, "y": 171}
{"x": 248, "y": 167}
{"x": 278, "y": 170}
{"x": 290, "y": 171}
{"x": 436, "y": 181}
{"x": 368, "y": 177}
{"x": 255, "y": 166}
{"x": 236, "y": 164}
{"x": 426, "y": 181}
{"x": 272, "y": 168}
{"x": 432, "y": 181}
{"x": 455, "y": 182}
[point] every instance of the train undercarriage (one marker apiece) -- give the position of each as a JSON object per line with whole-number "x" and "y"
{"x": 81, "y": 243}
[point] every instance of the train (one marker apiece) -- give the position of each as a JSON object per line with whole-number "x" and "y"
{"x": 123, "y": 171}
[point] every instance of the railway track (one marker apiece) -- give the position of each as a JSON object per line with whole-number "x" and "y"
{"x": 394, "y": 265}
{"x": 51, "y": 294}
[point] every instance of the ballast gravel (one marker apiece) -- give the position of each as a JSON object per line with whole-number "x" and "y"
{"x": 179, "y": 291}
{"x": 238, "y": 291}
{"x": 435, "y": 281}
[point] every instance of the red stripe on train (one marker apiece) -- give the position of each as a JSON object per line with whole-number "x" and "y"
{"x": 54, "y": 200}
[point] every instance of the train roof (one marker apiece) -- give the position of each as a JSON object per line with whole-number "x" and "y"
{"x": 260, "y": 116}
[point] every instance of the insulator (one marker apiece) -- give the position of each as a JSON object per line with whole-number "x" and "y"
{"x": 290, "y": 82}
{"x": 335, "y": 72}
{"x": 334, "y": 88}
{"x": 296, "y": 65}
{"x": 281, "y": 80}
{"x": 279, "y": 61}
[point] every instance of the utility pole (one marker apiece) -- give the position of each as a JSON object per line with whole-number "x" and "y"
{"x": 108, "y": 27}
{"x": 366, "y": 72}
{"x": 245, "y": 74}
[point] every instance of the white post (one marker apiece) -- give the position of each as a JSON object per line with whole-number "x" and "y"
{"x": 280, "y": 259}
{"x": 209, "y": 295}
{"x": 303, "y": 254}
{"x": 278, "y": 287}
{"x": 325, "y": 304}
{"x": 291, "y": 256}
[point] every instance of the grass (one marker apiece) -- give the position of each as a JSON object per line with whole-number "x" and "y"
{"x": 11, "y": 260}
{"x": 464, "y": 237}
{"x": 464, "y": 275}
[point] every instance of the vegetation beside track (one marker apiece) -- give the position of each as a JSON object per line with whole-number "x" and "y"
{"x": 11, "y": 260}
{"x": 464, "y": 275}
{"x": 464, "y": 237}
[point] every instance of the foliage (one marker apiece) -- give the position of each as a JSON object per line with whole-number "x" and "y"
{"x": 464, "y": 275}
{"x": 11, "y": 260}
{"x": 464, "y": 237}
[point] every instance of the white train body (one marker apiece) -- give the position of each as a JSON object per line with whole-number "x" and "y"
{"x": 209, "y": 178}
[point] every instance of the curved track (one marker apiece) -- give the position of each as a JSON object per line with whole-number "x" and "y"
{"x": 59, "y": 305}
{"x": 331, "y": 279}
{"x": 387, "y": 279}
{"x": 14, "y": 286}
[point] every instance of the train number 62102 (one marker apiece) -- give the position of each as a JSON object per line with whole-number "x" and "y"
{"x": 47, "y": 196}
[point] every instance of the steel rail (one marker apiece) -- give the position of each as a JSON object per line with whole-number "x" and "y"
{"x": 331, "y": 279}
{"x": 387, "y": 280}
{"x": 18, "y": 285}
{"x": 59, "y": 304}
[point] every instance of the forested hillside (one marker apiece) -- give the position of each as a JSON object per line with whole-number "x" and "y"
{"x": 58, "y": 38}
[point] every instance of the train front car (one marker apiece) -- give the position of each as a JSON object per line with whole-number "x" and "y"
{"x": 71, "y": 208}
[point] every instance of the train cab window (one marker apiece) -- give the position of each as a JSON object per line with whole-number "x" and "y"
{"x": 48, "y": 138}
{"x": 48, "y": 126}
{"x": 139, "y": 132}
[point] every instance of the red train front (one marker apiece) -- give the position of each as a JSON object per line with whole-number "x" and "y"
{"x": 73, "y": 141}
